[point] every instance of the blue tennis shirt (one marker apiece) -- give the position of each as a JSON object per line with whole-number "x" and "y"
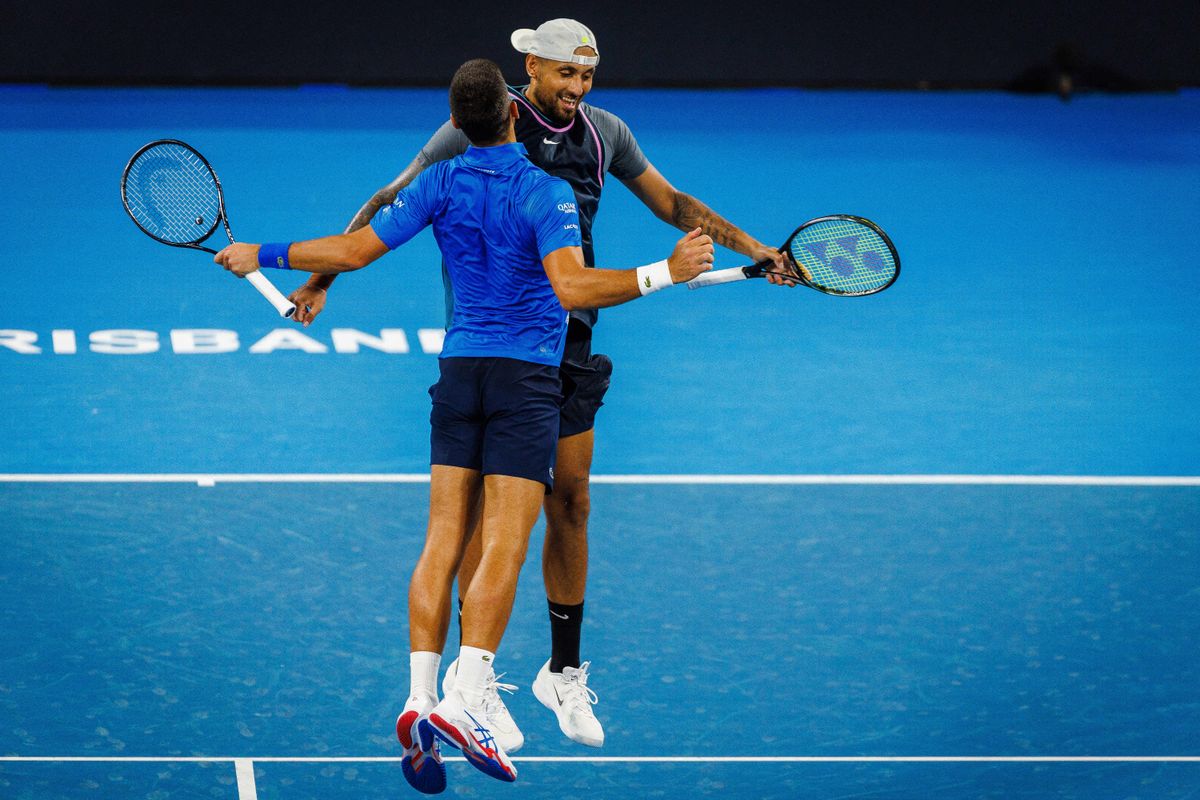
{"x": 495, "y": 217}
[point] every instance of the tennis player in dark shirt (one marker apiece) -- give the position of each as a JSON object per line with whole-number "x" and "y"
{"x": 582, "y": 144}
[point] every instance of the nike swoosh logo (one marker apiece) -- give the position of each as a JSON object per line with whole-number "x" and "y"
{"x": 547, "y": 141}
{"x": 561, "y": 616}
{"x": 556, "y": 695}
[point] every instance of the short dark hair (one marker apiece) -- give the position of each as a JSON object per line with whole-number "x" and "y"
{"x": 479, "y": 101}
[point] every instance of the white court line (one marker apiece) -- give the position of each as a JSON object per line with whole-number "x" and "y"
{"x": 244, "y": 769}
{"x": 626, "y": 759}
{"x": 211, "y": 479}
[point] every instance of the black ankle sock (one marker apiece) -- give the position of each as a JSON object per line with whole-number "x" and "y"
{"x": 565, "y": 624}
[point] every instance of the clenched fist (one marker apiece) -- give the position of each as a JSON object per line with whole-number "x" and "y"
{"x": 240, "y": 258}
{"x": 693, "y": 254}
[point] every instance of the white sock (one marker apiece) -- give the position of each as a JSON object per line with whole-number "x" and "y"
{"x": 474, "y": 667}
{"x": 423, "y": 672}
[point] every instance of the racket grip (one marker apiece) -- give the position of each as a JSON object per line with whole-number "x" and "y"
{"x": 718, "y": 276}
{"x": 284, "y": 306}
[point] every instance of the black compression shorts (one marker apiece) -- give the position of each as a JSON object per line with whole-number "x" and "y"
{"x": 585, "y": 379}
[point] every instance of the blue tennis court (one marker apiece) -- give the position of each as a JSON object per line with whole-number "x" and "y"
{"x": 938, "y": 542}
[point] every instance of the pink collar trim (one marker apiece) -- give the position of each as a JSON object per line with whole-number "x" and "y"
{"x": 520, "y": 97}
{"x": 523, "y": 100}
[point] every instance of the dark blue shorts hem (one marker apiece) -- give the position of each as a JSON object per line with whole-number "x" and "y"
{"x": 499, "y": 416}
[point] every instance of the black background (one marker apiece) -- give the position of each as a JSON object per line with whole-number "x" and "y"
{"x": 848, "y": 44}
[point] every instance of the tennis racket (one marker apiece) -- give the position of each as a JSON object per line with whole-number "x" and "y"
{"x": 839, "y": 254}
{"x": 172, "y": 194}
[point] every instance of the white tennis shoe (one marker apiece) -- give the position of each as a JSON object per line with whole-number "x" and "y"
{"x": 568, "y": 696}
{"x": 499, "y": 719}
{"x": 467, "y": 728}
{"x": 422, "y": 761}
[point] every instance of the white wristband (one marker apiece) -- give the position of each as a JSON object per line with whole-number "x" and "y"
{"x": 653, "y": 277}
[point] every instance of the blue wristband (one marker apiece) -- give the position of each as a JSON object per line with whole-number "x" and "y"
{"x": 274, "y": 255}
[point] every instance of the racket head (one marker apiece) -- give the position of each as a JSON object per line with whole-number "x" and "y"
{"x": 172, "y": 194}
{"x": 843, "y": 255}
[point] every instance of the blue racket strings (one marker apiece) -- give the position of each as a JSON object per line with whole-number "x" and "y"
{"x": 844, "y": 256}
{"x": 173, "y": 194}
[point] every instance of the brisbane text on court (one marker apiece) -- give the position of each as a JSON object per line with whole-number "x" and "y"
{"x": 209, "y": 341}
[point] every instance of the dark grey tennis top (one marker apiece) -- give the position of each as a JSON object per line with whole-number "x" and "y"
{"x": 595, "y": 144}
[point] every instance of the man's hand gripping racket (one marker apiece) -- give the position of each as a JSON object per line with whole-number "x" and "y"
{"x": 173, "y": 195}
{"x": 692, "y": 256}
{"x": 839, "y": 254}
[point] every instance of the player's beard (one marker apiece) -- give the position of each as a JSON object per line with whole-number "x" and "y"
{"x": 552, "y": 105}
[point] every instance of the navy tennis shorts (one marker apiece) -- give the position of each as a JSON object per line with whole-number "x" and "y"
{"x": 496, "y": 415}
{"x": 585, "y": 379}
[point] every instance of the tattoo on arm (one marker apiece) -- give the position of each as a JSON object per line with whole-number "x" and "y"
{"x": 384, "y": 196}
{"x": 365, "y": 214}
{"x": 690, "y": 213}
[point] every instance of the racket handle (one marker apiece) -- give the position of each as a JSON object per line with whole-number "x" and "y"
{"x": 284, "y": 306}
{"x": 718, "y": 276}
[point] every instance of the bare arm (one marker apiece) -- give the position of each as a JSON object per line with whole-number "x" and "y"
{"x": 580, "y": 287}
{"x": 310, "y": 297}
{"x": 385, "y": 196}
{"x": 329, "y": 255}
{"x": 686, "y": 212}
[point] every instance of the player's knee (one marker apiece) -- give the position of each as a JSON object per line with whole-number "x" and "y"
{"x": 570, "y": 504}
{"x": 506, "y": 555}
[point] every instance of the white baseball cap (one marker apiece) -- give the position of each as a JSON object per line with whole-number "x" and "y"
{"x": 557, "y": 40}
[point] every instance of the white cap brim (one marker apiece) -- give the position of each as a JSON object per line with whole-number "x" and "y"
{"x": 522, "y": 39}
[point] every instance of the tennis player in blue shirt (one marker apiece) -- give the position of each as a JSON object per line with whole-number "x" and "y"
{"x": 587, "y": 146}
{"x": 510, "y": 237}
